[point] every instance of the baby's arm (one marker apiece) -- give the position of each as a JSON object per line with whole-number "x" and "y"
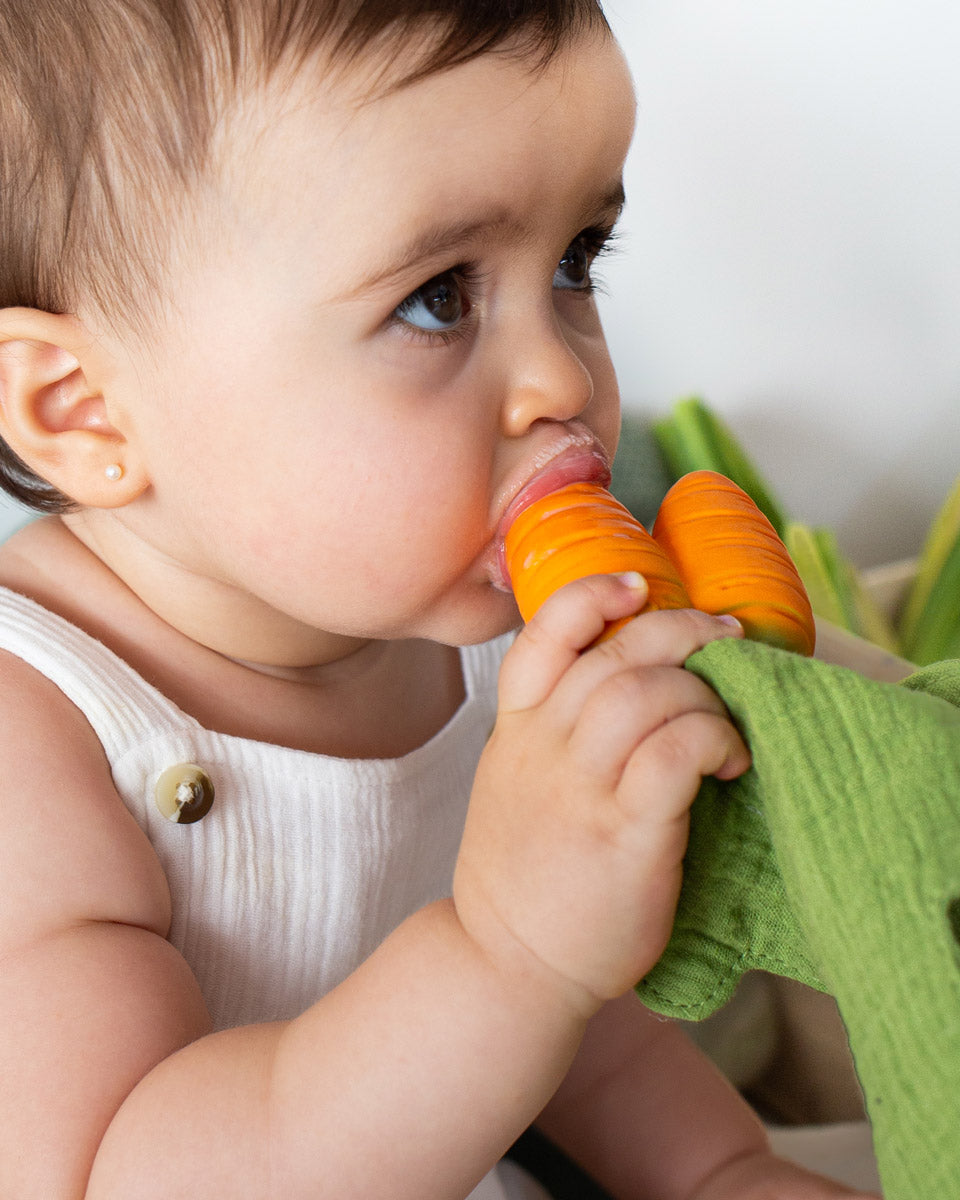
{"x": 91, "y": 995}
{"x": 412, "y": 1077}
{"x": 648, "y": 1115}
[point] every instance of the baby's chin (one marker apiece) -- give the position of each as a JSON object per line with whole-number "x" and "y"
{"x": 493, "y": 615}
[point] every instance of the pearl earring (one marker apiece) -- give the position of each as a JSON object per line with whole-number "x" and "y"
{"x": 114, "y": 472}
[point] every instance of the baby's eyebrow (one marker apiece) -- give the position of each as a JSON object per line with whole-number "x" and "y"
{"x": 441, "y": 240}
{"x": 438, "y": 241}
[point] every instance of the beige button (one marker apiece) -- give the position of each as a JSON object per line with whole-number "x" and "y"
{"x": 184, "y": 793}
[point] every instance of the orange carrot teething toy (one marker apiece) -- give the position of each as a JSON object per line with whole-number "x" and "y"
{"x": 732, "y": 560}
{"x": 582, "y": 530}
{"x": 711, "y": 549}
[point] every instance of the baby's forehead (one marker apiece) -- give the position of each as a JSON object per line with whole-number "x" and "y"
{"x": 353, "y": 100}
{"x": 447, "y": 138}
{"x": 333, "y": 116}
{"x": 388, "y": 68}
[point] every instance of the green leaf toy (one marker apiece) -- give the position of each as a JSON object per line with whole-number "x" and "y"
{"x": 836, "y": 861}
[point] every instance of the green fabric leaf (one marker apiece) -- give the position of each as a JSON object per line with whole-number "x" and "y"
{"x": 836, "y": 861}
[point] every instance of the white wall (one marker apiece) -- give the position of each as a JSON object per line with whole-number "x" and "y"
{"x": 791, "y": 245}
{"x": 11, "y": 516}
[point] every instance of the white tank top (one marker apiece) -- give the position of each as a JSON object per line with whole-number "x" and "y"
{"x": 304, "y": 863}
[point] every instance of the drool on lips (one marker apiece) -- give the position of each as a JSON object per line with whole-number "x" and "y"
{"x": 711, "y": 549}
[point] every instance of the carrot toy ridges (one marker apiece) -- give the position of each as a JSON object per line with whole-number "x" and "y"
{"x": 582, "y": 530}
{"x": 711, "y": 549}
{"x": 732, "y": 561}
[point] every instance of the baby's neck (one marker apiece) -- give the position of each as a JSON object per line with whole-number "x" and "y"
{"x": 207, "y": 610}
{"x": 375, "y": 700}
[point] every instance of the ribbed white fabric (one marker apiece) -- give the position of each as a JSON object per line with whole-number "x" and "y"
{"x": 305, "y": 863}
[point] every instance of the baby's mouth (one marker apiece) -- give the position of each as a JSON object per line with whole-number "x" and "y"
{"x": 582, "y": 462}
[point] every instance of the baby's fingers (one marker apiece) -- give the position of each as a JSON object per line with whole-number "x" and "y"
{"x": 630, "y": 707}
{"x": 569, "y": 622}
{"x": 653, "y": 805}
{"x": 664, "y": 773}
{"x": 656, "y": 639}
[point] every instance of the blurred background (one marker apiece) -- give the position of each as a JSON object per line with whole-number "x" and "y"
{"x": 791, "y": 246}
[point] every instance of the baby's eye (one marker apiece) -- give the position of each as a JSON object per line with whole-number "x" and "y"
{"x": 573, "y": 271}
{"x": 438, "y": 305}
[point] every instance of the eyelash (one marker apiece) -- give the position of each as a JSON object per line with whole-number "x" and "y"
{"x": 596, "y": 240}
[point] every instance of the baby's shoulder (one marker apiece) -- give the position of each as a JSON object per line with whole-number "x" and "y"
{"x": 70, "y": 852}
{"x": 91, "y": 993}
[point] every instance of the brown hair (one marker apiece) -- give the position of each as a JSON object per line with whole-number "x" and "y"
{"x": 108, "y": 109}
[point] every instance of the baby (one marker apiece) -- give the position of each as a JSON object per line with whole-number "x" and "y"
{"x": 295, "y": 312}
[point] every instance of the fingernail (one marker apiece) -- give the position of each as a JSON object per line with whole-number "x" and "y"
{"x": 633, "y": 579}
{"x": 727, "y": 619}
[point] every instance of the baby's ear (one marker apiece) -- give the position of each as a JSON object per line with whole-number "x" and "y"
{"x": 55, "y": 413}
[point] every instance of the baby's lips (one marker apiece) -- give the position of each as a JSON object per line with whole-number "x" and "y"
{"x": 582, "y": 463}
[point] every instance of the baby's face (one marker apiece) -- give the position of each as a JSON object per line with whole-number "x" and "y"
{"x": 387, "y": 332}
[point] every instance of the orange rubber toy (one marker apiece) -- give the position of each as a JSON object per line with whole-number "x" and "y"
{"x": 711, "y": 549}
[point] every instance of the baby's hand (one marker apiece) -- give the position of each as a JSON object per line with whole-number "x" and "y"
{"x": 578, "y": 821}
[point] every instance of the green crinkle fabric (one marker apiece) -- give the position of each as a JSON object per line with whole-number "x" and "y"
{"x": 836, "y": 861}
